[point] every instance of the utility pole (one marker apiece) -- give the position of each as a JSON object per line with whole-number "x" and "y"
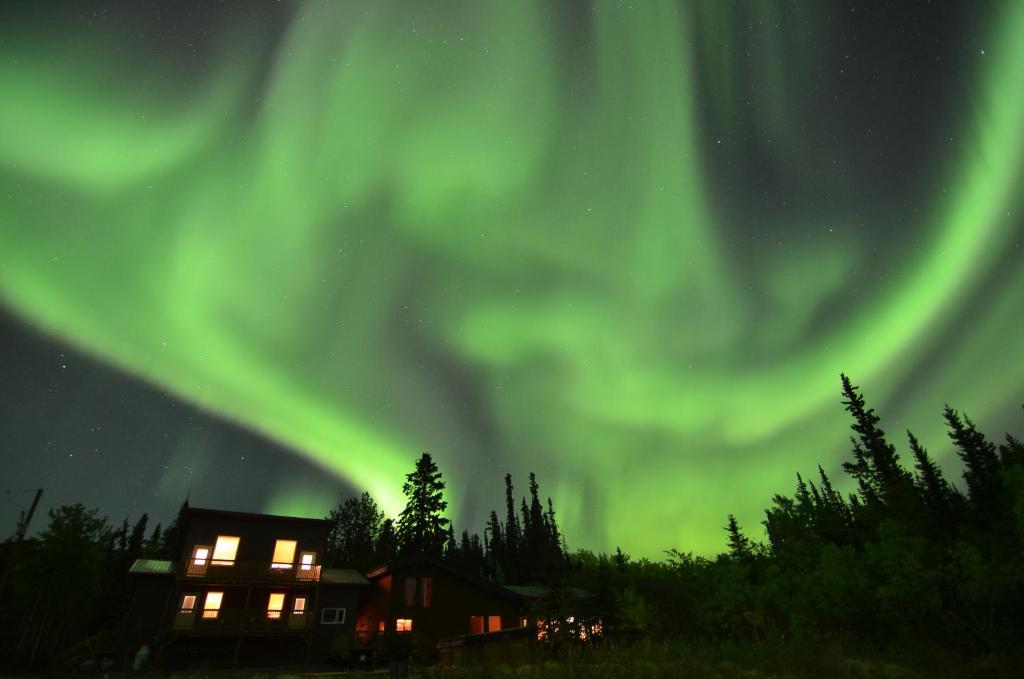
{"x": 19, "y": 536}
{"x": 26, "y": 519}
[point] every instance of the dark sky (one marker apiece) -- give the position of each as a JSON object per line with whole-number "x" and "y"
{"x": 269, "y": 252}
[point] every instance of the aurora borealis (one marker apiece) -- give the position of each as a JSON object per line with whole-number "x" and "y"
{"x": 628, "y": 247}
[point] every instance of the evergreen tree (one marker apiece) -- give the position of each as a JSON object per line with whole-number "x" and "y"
{"x": 554, "y": 532}
{"x": 494, "y": 545}
{"x": 876, "y": 464}
{"x": 512, "y": 535}
{"x": 939, "y": 497}
{"x": 538, "y": 535}
{"x": 137, "y": 538}
{"x": 451, "y": 547}
{"x": 421, "y": 528}
{"x": 174, "y": 536}
{"x": 154, "y": 544}
{"x": 355, "y": 527}
{"x": 387, "y": 541}
{"x": 739, "y": 544}
{"x": 982, "y": 469}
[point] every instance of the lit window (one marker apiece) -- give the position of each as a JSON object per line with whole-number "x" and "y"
{"x": 284, "y": 554}
{"x": 299, "y": 608}
{"x": 380, "y": 626}
{"x": 332, "y": 616}
{"x": 306, "y": 560}
{"x": 211, "y": 605}
{"x": 188, "y": 603}
{"x": 426, "y": 592}
{"x": 275, "y": 605}
{"x": 493, "y": 623}
{"x": 224, "y": 551}
{"x": 476, "y": 624}
{"x": 200, "y": 555}
{"x": 403, "y": 625}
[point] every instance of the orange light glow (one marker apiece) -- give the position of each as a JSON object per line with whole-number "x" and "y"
{"x": 275, "y": 605}
{"x": 284, "y": 554}
{"x": 200, "y": 555}
{"x": 225, "y": 550}
{"x": 403, "y": 625}
{"x": 211, "y": 605}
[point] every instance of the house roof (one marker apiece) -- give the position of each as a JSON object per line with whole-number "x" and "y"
{"x": 152, "y": 567}
{"x": 528, "y": 591}
{"x": 415, "y": 559}
{"x": 537, "y": 592}
{"x": 342, "y": 576}
{"x": 251, "y": 515}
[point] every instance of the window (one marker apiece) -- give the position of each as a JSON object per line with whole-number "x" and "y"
{"x": 380, "y": 626}
{"x": 403, "y": 624}
{"x": 284, "y": 554}
{"x": 188, "y": 604}
{"x": 200, "y": 555}
{"x": 224, "y": 551}
{"x": 332, "y": 616}
{"x": 410, "y": 591}
{"x": 275, "y": 605}
{"x": 211, "y": 605}
{"x": 425, "y": 592}
{"x": 299, "y": 607}
{"x": 476, "y": 624}
{"x": 306, "y": 560}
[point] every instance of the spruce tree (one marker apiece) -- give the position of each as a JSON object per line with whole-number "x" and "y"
{"x": 938, "y": 496}
{"x": 510, "y": 564}
{"x": 739, "y": 544}
{"x": 876, "y": 463}
{"x": 982, "y": 469}
{"x": 421, "y": 528}
{"x": 386, "y": 546}
{"x": 137, "y": 538}
{"x": 355, "y": 525}
{"x": 174, "y": 537}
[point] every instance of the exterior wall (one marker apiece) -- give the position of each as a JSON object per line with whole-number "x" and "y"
{"x": 335, "y": 641}
{"x": 453, "y": 601}
{"x": 242, "y": 634}
{"x": 258, "y": 535}
{"x": 149, "y": 601}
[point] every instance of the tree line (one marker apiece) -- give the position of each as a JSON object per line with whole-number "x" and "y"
{"x": 527, "y": 546}
{"x": 909, "y": 564}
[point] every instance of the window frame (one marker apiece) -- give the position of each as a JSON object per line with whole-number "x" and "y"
{"x": 275, "y": 613}
{"x": 340, "y": 615}
{"x": 283, "y": 565}
{"x": 215, "y": 561}
{"x": 215, "y": 610}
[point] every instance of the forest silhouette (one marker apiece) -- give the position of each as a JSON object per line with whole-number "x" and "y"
{"x": 908, "y": 568}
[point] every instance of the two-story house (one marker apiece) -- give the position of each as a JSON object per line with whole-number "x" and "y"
{"x": 246, "y": 589}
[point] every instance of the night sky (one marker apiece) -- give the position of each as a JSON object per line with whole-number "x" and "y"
{"x": 267, "y": 253}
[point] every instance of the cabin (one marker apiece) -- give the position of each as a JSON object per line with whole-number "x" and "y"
{"x": 414, "y": 602}
{"x": 245, "y": 590}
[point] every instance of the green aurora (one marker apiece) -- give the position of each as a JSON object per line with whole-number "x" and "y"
{"x": 333, "y": 238}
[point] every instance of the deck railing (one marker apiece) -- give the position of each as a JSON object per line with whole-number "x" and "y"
{"x": 237, "y": 621}
{"x": 251, "y": 572}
